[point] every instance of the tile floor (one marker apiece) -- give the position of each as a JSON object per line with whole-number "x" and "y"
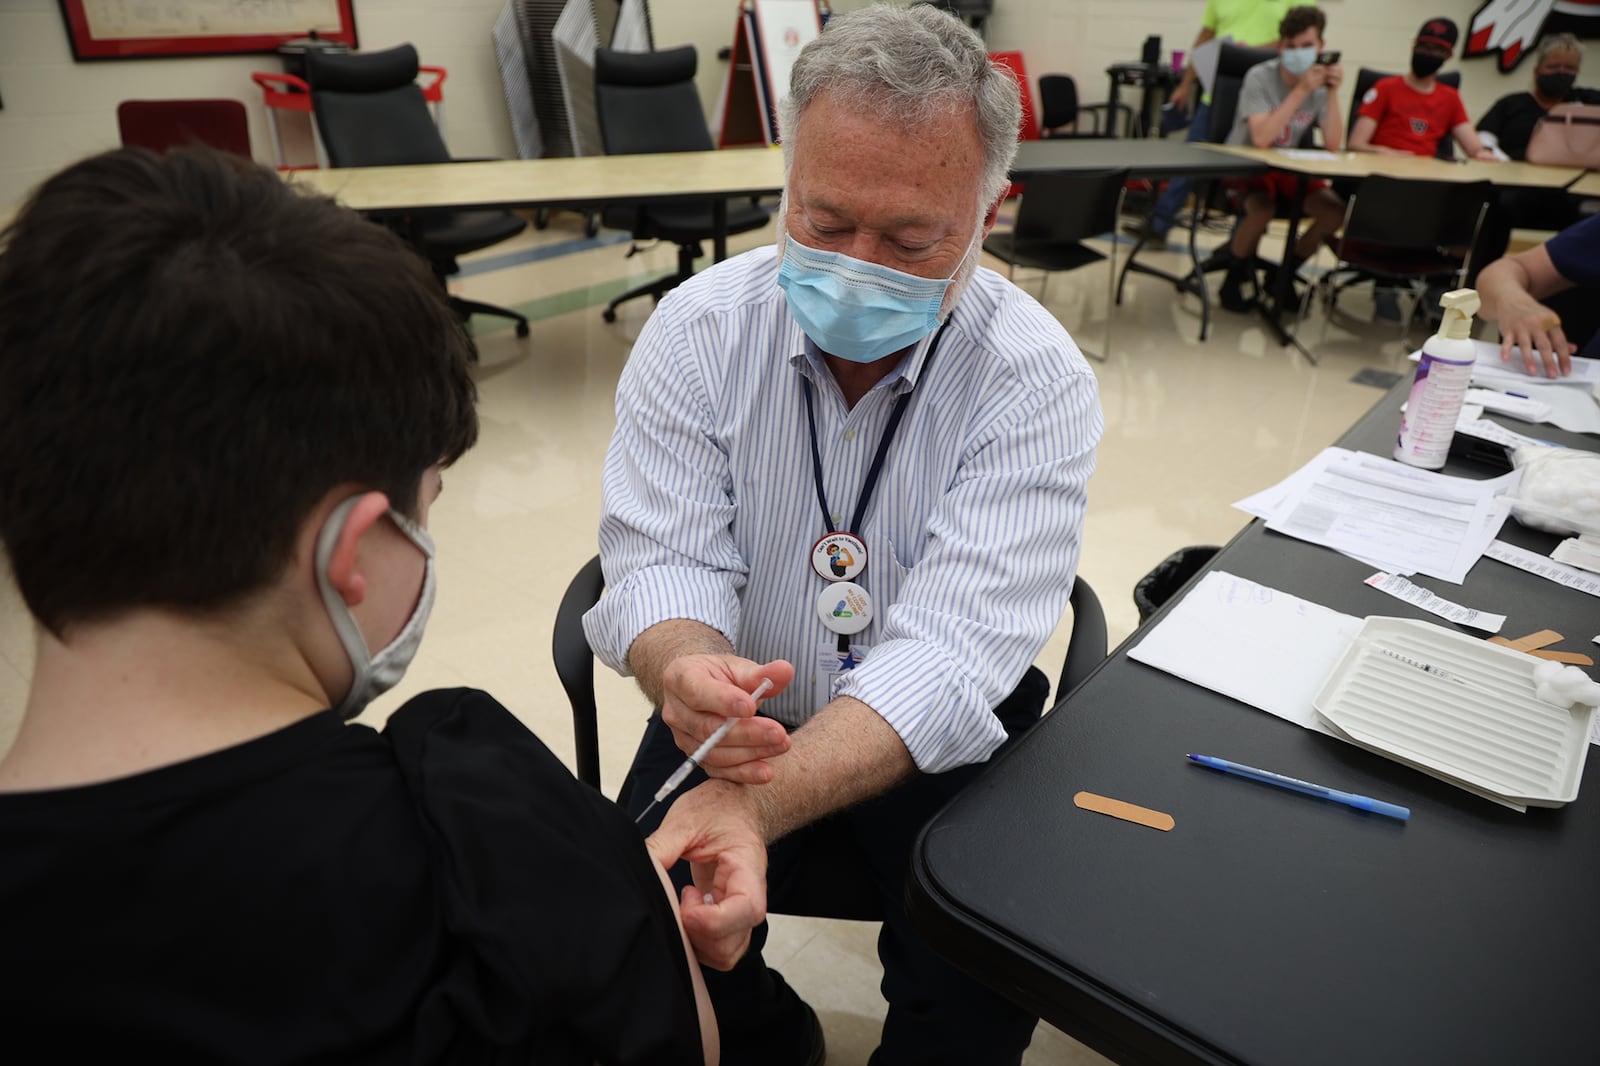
{"x": 1190, "y": 427}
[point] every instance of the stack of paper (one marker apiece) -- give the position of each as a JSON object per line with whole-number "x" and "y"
{"x": 1569, "y": 402}
{"x": 1400, "y": 519}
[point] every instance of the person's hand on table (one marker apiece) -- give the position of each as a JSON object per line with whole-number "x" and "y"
{"x": 716, "y": 827}
{"x": 700, "y": 691}
{"x": 1486, "y": 155}
{"x": 1536, "y": 330}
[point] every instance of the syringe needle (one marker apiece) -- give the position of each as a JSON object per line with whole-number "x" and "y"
{"x": 701, "y": 752}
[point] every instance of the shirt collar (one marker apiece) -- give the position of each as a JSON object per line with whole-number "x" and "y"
{"x": 808, "y": 360}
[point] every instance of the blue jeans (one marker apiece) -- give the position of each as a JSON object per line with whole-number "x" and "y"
{"x": 1177, "y": 191}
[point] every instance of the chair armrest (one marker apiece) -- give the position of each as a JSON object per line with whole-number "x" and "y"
{"x": 283, "y": 90}
{"x": 433, "y": 92}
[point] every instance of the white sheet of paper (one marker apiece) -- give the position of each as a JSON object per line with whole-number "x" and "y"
{"x": 1585, "y": 372}
{"x": 1256, "y": 644}
{"x": 1400, "y": 519}
{"x": 1204, "y": 58}
{"x": 1490, "y": 430}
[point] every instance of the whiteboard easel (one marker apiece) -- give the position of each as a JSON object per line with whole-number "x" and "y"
{"x": 767, "y": 39}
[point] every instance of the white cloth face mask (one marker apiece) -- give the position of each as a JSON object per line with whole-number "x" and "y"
{"x": 373, "y": 674}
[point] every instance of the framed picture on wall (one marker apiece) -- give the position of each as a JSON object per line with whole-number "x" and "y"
{"x": 129, "y": 29}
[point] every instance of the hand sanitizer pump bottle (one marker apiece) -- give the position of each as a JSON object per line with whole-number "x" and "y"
{"x": 1443, "y": 374}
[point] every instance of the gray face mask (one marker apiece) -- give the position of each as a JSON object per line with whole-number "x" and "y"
{"x": 374, "y": 674}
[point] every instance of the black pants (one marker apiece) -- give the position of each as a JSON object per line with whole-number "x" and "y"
{"x": 853, "y": 864}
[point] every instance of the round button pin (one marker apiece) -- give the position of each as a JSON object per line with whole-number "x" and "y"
{"x": 839, "y": 557}
{"x": 845, "y": 607}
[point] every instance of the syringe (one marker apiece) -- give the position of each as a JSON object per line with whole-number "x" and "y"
{"x": 700, "y": 753}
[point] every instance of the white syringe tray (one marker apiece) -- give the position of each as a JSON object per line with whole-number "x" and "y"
{"x": 1458, "y": 708}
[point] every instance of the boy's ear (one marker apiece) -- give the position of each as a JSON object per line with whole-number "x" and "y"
{"x": 342, "y": 572}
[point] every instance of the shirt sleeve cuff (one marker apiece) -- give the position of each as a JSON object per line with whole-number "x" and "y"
{"x": 941, "y": 716}
{"x": 658, "y": 594}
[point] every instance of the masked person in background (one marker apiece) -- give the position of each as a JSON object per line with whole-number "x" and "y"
{"x": 863, "y": 384}
{"x": 223, "y": 415}
{"x": 1555, "y": 76}
{"x": 1511, "y": 122}
{"x": 1410, "y": 113}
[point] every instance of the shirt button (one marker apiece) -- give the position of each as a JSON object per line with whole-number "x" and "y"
{"x": 837, "y": 518}
{"x": 849, "y": 434}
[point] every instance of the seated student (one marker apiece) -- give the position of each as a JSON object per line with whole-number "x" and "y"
{"x": 1408, "y": 114}
{"x": 1517, "y": 291}
{"x": 223, "y": 411}
{"x": 1278, "y": 101}
{"x": 1513, "y": 116}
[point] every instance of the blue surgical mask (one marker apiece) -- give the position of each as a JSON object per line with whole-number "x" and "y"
{"x": 1299, "y": 60}
{"x": 857, "y": 310}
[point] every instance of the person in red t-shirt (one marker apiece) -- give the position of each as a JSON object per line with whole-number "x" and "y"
{"x": 1409, "y": 114}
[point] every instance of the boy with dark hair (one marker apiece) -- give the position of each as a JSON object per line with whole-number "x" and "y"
{"x": 1410, "y": 113}
{"x": 1278, "y": 102}
{"x": 223, "y": 412}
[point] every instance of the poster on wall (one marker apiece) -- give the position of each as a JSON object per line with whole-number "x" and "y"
{"x": 1512, "y": 29}
{"x": 129, "y": 29}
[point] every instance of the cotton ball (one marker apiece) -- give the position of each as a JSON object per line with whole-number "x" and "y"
{"x": 1564, "y": 685}
{"x": 1560, "y": 490}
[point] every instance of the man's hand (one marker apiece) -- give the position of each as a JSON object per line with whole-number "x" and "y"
{"x": 1315, "y": 77}
{"x": 1180, "y": 96}
{"x": 699, "y": 691}
{"x": 1527, "y": 324}
{"x": 1486, "y": 155}
{"x": 1335, "y": 75}
{"x": 717, "y": 828}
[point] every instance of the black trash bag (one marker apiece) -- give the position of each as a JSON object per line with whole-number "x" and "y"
{"x": 1170, "y": 575}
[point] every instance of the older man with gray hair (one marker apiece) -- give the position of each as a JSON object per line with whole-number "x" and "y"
{"x": 853, "y": 464}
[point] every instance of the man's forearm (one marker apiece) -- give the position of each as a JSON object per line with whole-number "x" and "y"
{"x": 654, "y": 649}
{"x": 844, "y": 755}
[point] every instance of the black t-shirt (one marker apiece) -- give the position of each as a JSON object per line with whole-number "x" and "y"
{"x": 444, "y": 891}
{"x": 1513, "y": 117}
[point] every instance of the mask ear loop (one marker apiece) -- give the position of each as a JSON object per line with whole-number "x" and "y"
{"x": 344, "y": 622}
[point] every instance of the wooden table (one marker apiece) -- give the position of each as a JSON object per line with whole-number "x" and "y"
{"x": 1334, "y": 165}
{"x": 584, "y": 182}
{"x": 1588, "y": 185}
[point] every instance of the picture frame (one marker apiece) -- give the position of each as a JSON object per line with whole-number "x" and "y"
{"x": 130, "y": 29}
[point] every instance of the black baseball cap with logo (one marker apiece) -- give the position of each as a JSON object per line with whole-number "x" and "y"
{"x": 1440, "y": 32}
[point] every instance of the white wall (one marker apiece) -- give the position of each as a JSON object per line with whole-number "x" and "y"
{"x": 57, "y": 110}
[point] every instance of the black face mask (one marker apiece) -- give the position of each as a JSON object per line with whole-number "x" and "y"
{"x": 1554, "y": 86}
{"x": 1423, "y": 65}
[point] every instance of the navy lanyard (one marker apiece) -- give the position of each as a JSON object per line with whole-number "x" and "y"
{"x": 871, "y": 483}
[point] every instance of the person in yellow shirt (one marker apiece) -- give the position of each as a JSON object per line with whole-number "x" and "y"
{"x": 1248, "y": 22}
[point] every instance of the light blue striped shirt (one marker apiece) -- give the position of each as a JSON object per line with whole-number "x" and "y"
{"x": 710, "y": 510}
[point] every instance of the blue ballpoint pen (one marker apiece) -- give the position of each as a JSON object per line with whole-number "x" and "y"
{"x": 1294, "y": 784}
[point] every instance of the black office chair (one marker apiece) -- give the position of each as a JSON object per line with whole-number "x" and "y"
{"x": 1366, "y": 78}
{"x": 1060, "y": 110}
{"x": 1407, "y": 234}
{"x": 648, "y": 102}
{"x": 1058, "y": 211}
{"x": 574, "y": 660}
{"x": 370, "y": 113}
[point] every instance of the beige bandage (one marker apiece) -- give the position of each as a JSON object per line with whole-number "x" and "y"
{"x": 1126, "y": 811}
